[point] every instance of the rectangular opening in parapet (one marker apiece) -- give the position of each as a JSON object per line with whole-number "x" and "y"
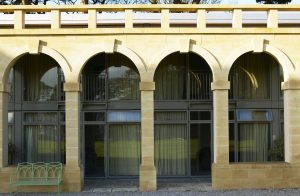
{"x": 146, "y": 19}
{"x": 111, "y": 19}
{"x": 219, "y": 19}
{"x": 255, "y": 19}
{"x": 289, "y": 19}
{"x": 74, "y": 19}
{"x": 183, "y": 19}
{"x": 37, "y": 20}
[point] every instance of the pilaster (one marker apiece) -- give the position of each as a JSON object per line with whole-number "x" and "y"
{"x": 147, "y": 169}
{"x": 73, "y": 172}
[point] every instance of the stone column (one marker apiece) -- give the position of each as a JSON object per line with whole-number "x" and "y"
{"x": 147, "y": 169}
{"x": 291, "y": 100}
{"x": 73, "y": 172}
{"x": 3, "y": 125}
{"x": 221, "y": 128}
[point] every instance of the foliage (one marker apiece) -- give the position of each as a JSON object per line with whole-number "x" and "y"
{"x": 274, "y": 1}
{"x": 277, "y": 152}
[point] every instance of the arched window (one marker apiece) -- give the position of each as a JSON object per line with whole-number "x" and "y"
{"x": 35, "y": 122}
{"x": 256, "y": 109}
{"x": 111, "y": 116}
{"x": 183, "y": 116}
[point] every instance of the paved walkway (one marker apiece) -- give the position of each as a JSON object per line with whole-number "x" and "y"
{"x": 172, "y": 187}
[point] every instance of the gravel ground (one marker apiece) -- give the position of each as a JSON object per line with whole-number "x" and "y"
{"x": 186, "y": 187}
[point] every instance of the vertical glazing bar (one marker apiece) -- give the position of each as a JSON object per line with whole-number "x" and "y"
{"x": 19, "y": 16}
{"x": 92, "y": 19}
{"x": 165, "y": 18}
{"x": 201, "y": 19}
{"x": 55, "y": 19}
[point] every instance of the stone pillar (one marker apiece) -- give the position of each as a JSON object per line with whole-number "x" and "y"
{"x": 221, "y": 128}
{"x": 291, "y": 100}
{"x": 73, "y": 172}
{"x": 147, "y": 169}
{"x": 3, "y": 126}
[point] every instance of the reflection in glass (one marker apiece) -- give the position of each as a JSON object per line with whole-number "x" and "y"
{"x": 124, "y": 116}
{"x": 170, "y": 78}
{"x": 200, "y": 149}
{"x": 124, "y": 150}
{"x": 253, "y": 142}
{"x": 43, "y": 142}
{"x": 171, "y": 150}
{"x": 251, "y": 75}
{"x": 94, "y": 151}
{"x": 40, "y": 78}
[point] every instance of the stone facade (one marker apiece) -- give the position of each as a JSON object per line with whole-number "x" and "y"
{"x": 146, "y": 47}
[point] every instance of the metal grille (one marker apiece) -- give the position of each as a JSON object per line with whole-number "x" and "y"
{"x": 200, "y": 85}
{"x": 94, "y": 87}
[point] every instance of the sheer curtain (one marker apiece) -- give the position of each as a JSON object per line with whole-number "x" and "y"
{"x": 42, "y": 141}
{"x": 124, "y": 149}
{"x": 171, "y": 149}
{"x": 252, "y": 76}
{"x": 40, "y": 78}
{"x": 253, "y": 142}
{"x": 170, "y": 78}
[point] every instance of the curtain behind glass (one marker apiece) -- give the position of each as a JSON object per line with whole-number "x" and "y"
{"x": 250, "y": 76}
{"x": 253, "y": 142}
{"x": 42, "y": 142}
{"x": 171, "y": 150}
{"x": 170, "y": 78}
{"x": 40, "y": 78}
{"x": 124, "y": 150}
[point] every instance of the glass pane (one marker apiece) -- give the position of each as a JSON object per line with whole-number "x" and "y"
{"x": 200, "y": 78}
{"x": 253, "y": 142}
{"x": 10, "y": 117}
{"x": 63, "y": 143}
{"x": 171, "y": 150}
{"x": 41, "y": 143}
{"x": 40, "y": 78}
{"x": 250, "y": 76}
{"x": 124, "y": 150}
{"x": 248, "y": 115}
{"x": 231, "y": 115}
{"x": 94, "y": 116}
{"x": 132, "y": 116}
{"x": 94, "y": 151}
{"x": 62, "y": 117}
{"x": 12, "y": 149}
{"x": 231, "y": 143}
{"x": 40, "y": 117}
{"x": 170, "y": 78}
{"x": 201, "y": 115}
{"x": 200, "y": 149}
{"x": 123, "y": 83}
{"x": 94, "y": 79}
{"x": 166, "y": 116}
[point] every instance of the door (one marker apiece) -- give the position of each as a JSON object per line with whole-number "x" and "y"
{"x": 94, "y": 150}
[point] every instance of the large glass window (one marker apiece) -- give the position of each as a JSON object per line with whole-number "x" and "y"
{"x": 36, "y": 129}
{"x": 183, "y": 76}
{"x": 111, "y": 116}
{"x": 255, "y": 101}
{"x": 110, "y": 77}
{"x": 183, "y": 116}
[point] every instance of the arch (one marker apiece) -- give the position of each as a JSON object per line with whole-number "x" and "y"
{"x": 9, "y": 62}
{"x": 282, "y": 58}
{"x": 104, "y": 48}
{"x": 200, "y": 51}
